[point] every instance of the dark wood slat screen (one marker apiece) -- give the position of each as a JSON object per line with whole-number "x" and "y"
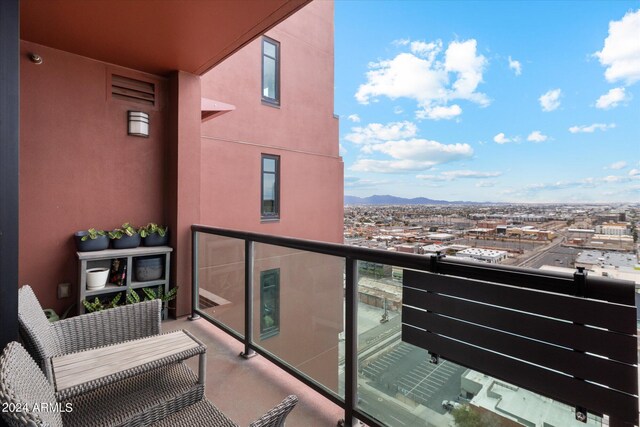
{"x": 576, "y": 350}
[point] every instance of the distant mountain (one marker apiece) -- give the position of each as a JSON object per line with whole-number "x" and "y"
{"x": 393, "y": 200}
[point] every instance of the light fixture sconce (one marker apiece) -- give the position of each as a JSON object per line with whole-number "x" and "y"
{"x": 138, "y": 123}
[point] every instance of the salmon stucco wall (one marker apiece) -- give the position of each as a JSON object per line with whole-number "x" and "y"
{"x": 78, "y": 167}
{"x": 303, "y": 131}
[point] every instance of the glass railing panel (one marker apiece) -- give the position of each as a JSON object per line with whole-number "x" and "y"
{"x": 298, "y": 304}
{"x": 221, "y": 279}
{"x": 399, "y": 386}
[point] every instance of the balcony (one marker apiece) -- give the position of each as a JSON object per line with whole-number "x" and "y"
{"x": 398, "y": 339}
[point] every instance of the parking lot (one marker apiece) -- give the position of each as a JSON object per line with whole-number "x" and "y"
{"x": 406, "y": 370}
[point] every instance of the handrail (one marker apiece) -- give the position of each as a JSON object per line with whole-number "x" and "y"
{"x": 519, "y": 284}
{"x": 604, "y": 288}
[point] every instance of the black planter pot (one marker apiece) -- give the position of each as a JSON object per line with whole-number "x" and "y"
{"x": 156, "y": 240}
{"x": 90, "y": 245}
{"x": 148, "y": 268}
{"x": 126, "y": 242}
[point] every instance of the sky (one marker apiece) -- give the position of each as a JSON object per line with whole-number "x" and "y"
{"x": 490, "y": 101}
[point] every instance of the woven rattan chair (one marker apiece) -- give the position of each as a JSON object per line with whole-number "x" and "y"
{"x": 205, "y": 414}
{"x": 44, "y": 339}
{"x": 136, "y": 401}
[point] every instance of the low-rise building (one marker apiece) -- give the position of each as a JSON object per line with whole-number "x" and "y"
{"x": 485, "y": 255}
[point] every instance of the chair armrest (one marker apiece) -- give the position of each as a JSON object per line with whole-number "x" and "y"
{"x": 110, "y": 326}
{"x": 277, "y": 416}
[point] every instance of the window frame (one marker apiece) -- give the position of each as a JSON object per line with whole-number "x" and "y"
{"x": 268, "y": 216}
{"x": 265, "y": 99}
{"x": 273, "y": 330}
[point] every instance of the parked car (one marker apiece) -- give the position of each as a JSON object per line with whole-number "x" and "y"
{"x": 450, "y": 405}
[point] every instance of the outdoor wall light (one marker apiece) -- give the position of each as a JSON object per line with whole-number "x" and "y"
{"x": 35, "y": 58}
{"x": 138, "y": 123}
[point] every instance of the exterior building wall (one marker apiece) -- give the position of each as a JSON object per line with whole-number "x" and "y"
{"x": 78, "y": 167}
{"x": 303, "y": 131}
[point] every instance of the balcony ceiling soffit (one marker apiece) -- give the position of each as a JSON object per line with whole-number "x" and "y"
{"x": 152, "y": 36}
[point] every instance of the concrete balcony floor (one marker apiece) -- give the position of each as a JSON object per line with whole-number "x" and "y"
{"x": 246, "y": 389}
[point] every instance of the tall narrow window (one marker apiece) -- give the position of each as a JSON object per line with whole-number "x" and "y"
{"x": 270, "y": 208}
{"x": 269, "y": 303}
{"x": 270, "y": 71}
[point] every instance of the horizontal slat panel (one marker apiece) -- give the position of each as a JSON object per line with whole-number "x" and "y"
{"x": 116, "y": 90}
{"x": 617, "y": 375}
{"x": 606, "y": 289}
{"x": 613, "y": 345}
{"x": 616, "y": 317}
{"x": 129, "y": 83}
{"x": 130, "y": 99}
{"x": 596, "y": 399}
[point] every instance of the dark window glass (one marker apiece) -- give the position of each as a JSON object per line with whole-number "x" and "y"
{"x": 270, "y": 71}
{"x": 270, "y": 203}
{"x": 269, "y": 303}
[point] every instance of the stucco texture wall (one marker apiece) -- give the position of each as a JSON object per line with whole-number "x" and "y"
{"x": 78, "y": 167}
{"x": 302, "y": 131}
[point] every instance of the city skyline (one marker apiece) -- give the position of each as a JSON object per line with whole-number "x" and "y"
{"x": 490, "y": 101}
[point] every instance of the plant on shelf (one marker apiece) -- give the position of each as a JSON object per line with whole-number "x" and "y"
{"x": 151, "y": 294}
{"x": 91, "y": 240}
{"x": 153, "y": 228}
{"x": 125, "y": 237}
{"x": 98, "y": 305}
{"x": 154, "y": 234}
{"x": 92, "y": 234}
{"x": 126, "y": 230}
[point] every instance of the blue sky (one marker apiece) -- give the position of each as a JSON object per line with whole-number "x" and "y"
{"x": 490, "y": 101}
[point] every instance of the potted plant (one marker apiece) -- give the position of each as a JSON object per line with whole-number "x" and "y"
{"x": 91, "y": 240}
{"x": 99, "y": 305}
{"x": 151, "y": 294}
{"x": 154, "y": 234}
{"x": 125, "y": 237}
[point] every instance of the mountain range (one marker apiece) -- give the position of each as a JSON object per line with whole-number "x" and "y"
{"x": 394, "y": 200}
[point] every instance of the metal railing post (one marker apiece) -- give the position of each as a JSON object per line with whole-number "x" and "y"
{"x": 248, "y": 300}
{"x": 351, "y": 342}
{"x": 194, "y": 276}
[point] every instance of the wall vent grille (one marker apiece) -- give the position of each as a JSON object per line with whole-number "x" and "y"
{"x": 132, "y": 90}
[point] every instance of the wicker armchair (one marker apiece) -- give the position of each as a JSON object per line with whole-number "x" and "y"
{"x": 136, "y": 401}
{"x": 205, "y": 414}
{"x": 44, "y": 339}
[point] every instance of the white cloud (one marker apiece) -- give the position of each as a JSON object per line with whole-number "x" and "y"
{"x": 516, "y": 66}
{"x": 617, "y": 165}
{"x": 537, "y": 136}
{"x": 634, "y": 172}
{"x": 470, "y": 174}
{"x": 550, "y": 100}
{"x": 376, "y": 132}
{"x": 439, "y": 112}
{"x": 429, "y": 51}
{"x": 591, "y": 128}
{"x": 390, "y": 166}
{"x": 426, "y": 77}
{"x": 342, "y": 150}
{"x": 501, "y": 138}
{"x": 456, "y": 174}
{"x": 354, "y": 118}
{"x": 424, "y": 150}
{"x": 486, "y": 184}
{"x": 357, "y": 182}
{"x": 612, "y": 98}
{"x": 398, "y": 110}
{"x": 613, "y": 178}
{"x": 621, "y": 51}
